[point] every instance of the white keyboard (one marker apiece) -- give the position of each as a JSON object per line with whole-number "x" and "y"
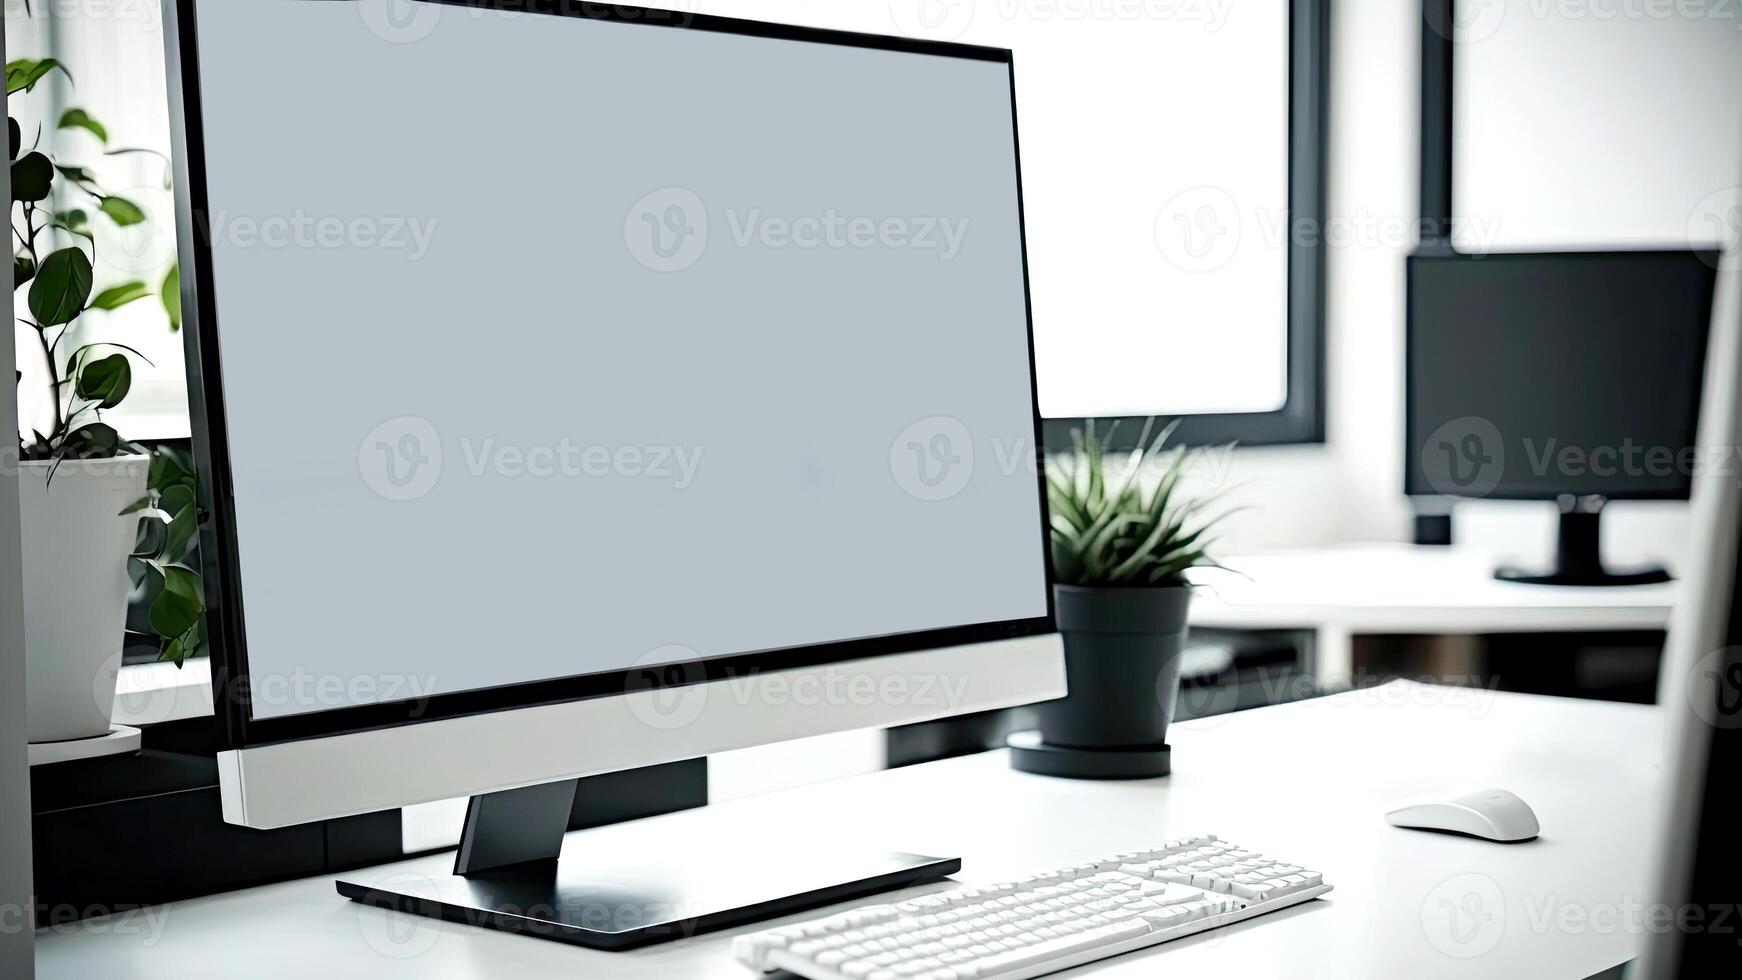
{"x": 1041, "y": 923}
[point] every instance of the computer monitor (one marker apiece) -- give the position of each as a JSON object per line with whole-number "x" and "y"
{"x": 578, "y": 387}
{"x": 1567, "y": 376}
{"x": 1687, "y": 925}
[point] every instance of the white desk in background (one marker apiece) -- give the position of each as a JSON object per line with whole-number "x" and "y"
{"x": 1309, "y": 781}
{"x": 1340, "y": 592}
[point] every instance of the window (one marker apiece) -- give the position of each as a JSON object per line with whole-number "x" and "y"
{"x": 1171, "y": 169}
{"x": 116, "y": 59}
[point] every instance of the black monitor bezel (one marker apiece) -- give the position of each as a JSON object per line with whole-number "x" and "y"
{"x": 1414, "y": 486}
{"x": 210, "y": 435}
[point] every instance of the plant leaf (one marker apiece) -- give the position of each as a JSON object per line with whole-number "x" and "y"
{"x": 14, "y": 138}
{"x": 176, "y": 499}
{"x": 168, "y": 468}
{"x": 178, "y": 650}
{"x": 23, "y": 74}
{"x": 22, "y": 269}
{"x": 122, "y": 211}
{"x": 1114, "y": 524}
{"x": 61, "y": 287}
{"x": 183, "y": 525}
{"x": 170, "y": 292}
{"x": 32, "y": 177}
{"x": 116, "y": 297}
{"x": 149, "y": 538}
{"x": 178, "y": 607}
{"x": 76, "y": 173}
{"x": 76, "y": 118}
{"x": 105, "y": 380}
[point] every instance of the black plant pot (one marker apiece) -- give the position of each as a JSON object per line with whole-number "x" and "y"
{"x": 1122, "y": 650}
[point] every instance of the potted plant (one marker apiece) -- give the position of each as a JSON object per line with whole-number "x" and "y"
{"x": 1123, "y": 541}
{"x": 80, "y": 481}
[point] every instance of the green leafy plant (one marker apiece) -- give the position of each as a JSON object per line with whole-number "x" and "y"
{"x": 54, "y": 260}
{"x": 165, "y": 556}
{"x": 1110, "y": 530}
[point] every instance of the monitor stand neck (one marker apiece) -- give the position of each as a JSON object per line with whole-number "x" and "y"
{"x": 1578, "y": 553}
{"x": 516, "y": 831}
{"x": 632, "y": 883}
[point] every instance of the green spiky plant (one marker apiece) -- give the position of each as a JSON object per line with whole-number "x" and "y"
{"x": 1109, "y": 530}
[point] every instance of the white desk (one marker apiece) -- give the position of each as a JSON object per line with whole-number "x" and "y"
{"x": 1307, "y": 781}
{"x": 1395, "y": 588}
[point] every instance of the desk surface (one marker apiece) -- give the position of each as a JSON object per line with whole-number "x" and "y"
{"x": 1405, "y": 588}
{"x": 1308, "y": 781}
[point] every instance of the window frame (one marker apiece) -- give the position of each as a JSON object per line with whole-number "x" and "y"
{"x": 1301, "y": 419}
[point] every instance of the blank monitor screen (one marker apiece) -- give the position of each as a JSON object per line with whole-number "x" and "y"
{"x": 1536, "y": 375}
{"x": 552, "y": 346}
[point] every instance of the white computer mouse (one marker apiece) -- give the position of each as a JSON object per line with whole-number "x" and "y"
{"x": 1491, "y": 814}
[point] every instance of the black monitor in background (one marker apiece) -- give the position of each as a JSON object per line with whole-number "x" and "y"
{"x": 1570, "y": 376}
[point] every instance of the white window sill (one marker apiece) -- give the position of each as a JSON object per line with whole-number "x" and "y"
{"x": 149, "y": 694}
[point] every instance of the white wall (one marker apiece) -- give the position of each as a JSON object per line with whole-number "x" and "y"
{"x": 15, "y": 879}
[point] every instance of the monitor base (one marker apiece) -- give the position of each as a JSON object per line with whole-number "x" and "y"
{"x": 1578, "y": 553}
{"x": 1648, "y": 576}
{"x": 630, "y": 884}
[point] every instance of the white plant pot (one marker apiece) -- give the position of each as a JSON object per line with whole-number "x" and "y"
{"x": 75, "y": 548}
